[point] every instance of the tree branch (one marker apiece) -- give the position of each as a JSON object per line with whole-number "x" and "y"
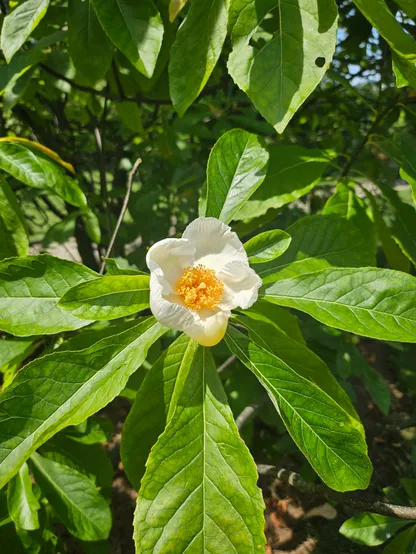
{"x": 354, "y": 499}
{"x": 123, "y": 209}
{"x": 381, "y": 114}
{"x": 102, "y": 93}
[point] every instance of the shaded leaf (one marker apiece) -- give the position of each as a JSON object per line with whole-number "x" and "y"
{"x": 300, "y": 359}
{"x": 149, "y": 414}
{"x": 400, "y": 542}
{"x": 22, "y": 503}
{"x": 13, "y": 237}
{"x": 379, "y": 15}
{"x": 82, "y": 509}
{"x": 318, "y": 242}
{"x": 89, "y": 48}
{"x": 293, "y": 171}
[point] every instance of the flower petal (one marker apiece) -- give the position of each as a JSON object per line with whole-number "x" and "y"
{"x": 210, "y": 330}
{"x": 168, "y": 313}
{"x": 241, "y": 285}
{"x": 168, "y": 258}
{"x": 215, "y": 244}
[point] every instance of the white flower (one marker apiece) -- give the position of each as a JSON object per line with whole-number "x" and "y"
{"x": 197, "y": 280}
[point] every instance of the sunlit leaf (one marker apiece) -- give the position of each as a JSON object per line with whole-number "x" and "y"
{"x": 202, "y": 474}
{"x": 371, "y": 529}
{"x": 22, "y": 503}
{"x": 236, "y": 167}
{"x": 376, "y": 303}
{"x": 59, "y": 390}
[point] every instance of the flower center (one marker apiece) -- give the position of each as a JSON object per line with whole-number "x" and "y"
{"x": 199, "y": 288}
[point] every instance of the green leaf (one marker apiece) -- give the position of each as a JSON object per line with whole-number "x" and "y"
{"x": 59, "y": 390}
{"x": 119, "y": 266}
{"x": 109, "y": 297}
{"x": 61, "y": 231}
{"x": 408, "y": 6}
{"x": 351, "y": 362}
{"x": 196, "y": 50}
{"x": 30, "y": 289}
{"x": 236, "y": 167}
{"x": 35, "y": 169}
{"x": 404, "y": 70}
{"x": 345, "y": 203}
{"x": 89, "y": 459}
{"x": 400, "y": 542}
{"x": 89, "y": 48}
{"x": 406, "y": 145}
{"x": 22, "y": 503}
{"x": 371, "y": 529}
{"x": 293, "y": 172}
{"x": 203, "y": 475}
{"x": 318, "y": 242}
{"x": 409, "y": 486}
{"x": 136, "y": 28}
{"x": 91, "y": 431}
{"x": 379, "y": 15}
{"x": 372, "y": 302}
{"x": 19, "y": 24}
{"x": 267, "y": 246}
{"x": 272, "y": 313}
{"x": 394, "y": 255}
{"x": 279, "y": 75}
{"x": 149, "y": 413}
{"x": 13, "y": 351}
{"x": 322, "y": 430}
{"x": 13, "y": 237}
{"x": 92, "y": 226}
{"x": 404, "y": 224}
{"x": 82, "y": 509}
{"x": 300, "y": 359}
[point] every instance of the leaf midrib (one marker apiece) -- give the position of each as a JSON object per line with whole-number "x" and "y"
{"x": 78, "y": 392}
{"x": 260, "y": 375}
{"x": 63, "y": 494}
{"x": 352, "y": 307}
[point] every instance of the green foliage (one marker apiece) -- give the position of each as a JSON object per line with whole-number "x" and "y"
{"x": 371, "y": 529}
{"x": 211, "y": 498}
{"x": 111, "y": 297}
{"x": 82, "y": 509}
{"x": 236, "y": 168}
{"x": 291, "y": 121}
{"x": 314, "y": 429}
{"x": 376, "y": 303}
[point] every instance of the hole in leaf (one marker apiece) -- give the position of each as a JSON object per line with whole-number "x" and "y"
{"x": 320, "y": 62}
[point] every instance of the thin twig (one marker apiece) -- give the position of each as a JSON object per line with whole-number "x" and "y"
{"x": 227, "y": 362}
{"x": 249, "y": 411}
{"x": 123, "y": 209}
{"x": 380, "y": 116}
{"x": 102, "y": 93}
{"x": 354, "y": 499}
{"x": 103, "y": 177}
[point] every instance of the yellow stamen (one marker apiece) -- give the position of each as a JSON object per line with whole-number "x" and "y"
{"x": 199, "y": 288}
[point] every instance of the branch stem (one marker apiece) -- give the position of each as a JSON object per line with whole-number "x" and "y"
{"x": 354, "y": 499}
